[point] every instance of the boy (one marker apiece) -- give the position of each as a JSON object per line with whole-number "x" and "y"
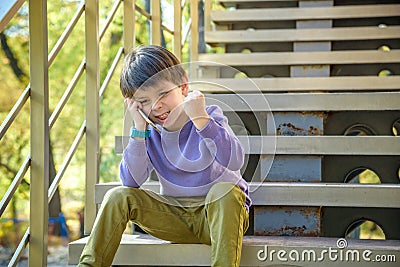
{"x": 196, "y": 156}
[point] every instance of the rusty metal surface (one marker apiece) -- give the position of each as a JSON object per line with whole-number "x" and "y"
{"x": 292, "y": 168}
{"x": 290, "y": 129}
{"x": 287, "y": 221}
{"x": 299, "y": 123}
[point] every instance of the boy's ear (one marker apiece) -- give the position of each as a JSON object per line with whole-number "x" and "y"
{"x": 185, "y": 86}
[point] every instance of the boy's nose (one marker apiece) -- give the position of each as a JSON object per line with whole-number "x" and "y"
{"x": 157, "y": 104}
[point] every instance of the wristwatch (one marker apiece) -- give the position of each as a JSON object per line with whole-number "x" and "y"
{"x": 141, "y": 134}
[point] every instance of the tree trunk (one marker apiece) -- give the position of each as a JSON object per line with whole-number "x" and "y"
{"x": 13, "y": 60}
{"x": 55, "y": 203}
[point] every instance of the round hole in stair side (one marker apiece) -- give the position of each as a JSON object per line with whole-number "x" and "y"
{"x": 240, "y": 75}
{"x": 385, "y": 73}
{"x": 365, "y": 229}
{"x": 384, "y": 48}
{"x": 396, "y": 127}
{"x": 396, "y": 132}
{"x": 362, "y": 176}
{"x": 359, "y": 130}
{"x": 398, "y": 173}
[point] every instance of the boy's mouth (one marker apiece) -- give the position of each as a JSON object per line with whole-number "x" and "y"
{"x": 163, "y": 117}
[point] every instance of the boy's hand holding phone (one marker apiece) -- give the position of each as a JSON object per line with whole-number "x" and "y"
{"x": 195, "y": 108}
{"x": 133, "y": 109}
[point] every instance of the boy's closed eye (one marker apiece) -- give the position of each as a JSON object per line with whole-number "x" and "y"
{"x": 163, "y": 93}
{"x": 142, "y": 101}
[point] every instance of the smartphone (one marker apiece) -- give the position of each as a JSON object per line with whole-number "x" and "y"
{"x": 152, "y": 124}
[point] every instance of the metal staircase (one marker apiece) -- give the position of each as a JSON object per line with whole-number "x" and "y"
{"x": 332, "y": 113}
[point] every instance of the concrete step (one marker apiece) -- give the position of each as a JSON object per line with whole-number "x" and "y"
{"x": 302, "y": 35}
{"x": 378, "y": 101}
{"x": 309, "y": 13}
{"x": 309, "y": 145}
{"x": 144, "y": 250}
{"x": 326, "y": 84}
{"x": 371, "y": 101}
{"x": 300, "y": 58}
{"x": 303, "y": 194}
{"x": 232, "y": 3}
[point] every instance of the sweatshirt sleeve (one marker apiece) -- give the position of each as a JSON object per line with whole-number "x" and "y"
{"x": 229, "y": 150}
{"x": 135, "y": 166}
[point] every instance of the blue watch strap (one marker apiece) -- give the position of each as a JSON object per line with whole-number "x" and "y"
{"x": 141, "y": 134}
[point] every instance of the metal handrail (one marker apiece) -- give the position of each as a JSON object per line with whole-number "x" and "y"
{"x": 165, "y": 28}
{"x": 149, "y": 17}
{"x": 67, "y": 93}
{"x": 143, "y": 12}
{"x": 67, "y": 32}
{"x": 7, "y": 13}
{"x": 14, "y": 111}
{"x": 110, "y": 17}
{"x": 71, "y": 152}
{"x": 111, "y": 71}
{"x": 14, "y": 184}
{"x": 21, "y": 246}
{"x": 186, "y": 32}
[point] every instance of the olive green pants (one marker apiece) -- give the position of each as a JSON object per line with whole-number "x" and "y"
{"x": 220, "y": 220}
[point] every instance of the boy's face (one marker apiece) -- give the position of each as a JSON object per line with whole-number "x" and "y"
{"x": 160, "y": 100}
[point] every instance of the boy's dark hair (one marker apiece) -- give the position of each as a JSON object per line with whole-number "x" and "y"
{"x": 146, "y": 61}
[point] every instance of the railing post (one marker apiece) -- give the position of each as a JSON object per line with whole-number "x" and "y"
{"x": 92, "y": 109}
{"x": 39, "y": 212}
{"x": 194, "y": 29}
{"x": 177, "y": 49}
{"x": 207, "y": 15}
{"x": 129, "y": 25}
{"x": 200, "y": 15}
{"x": 155, "y": 22}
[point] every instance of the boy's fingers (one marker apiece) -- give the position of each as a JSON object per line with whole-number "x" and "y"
{"x": 194, "y": 95}
{"x": 138, "y": 105}
{"x": 197, "y": 93}
{"x": 127, "y": 101}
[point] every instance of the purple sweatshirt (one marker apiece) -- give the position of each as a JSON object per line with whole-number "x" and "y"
{"x": 188, "y": 162}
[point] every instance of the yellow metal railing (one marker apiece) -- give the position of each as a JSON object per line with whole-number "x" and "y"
{"x": 38, "y": 93}
{"x": 40, "y": 142}
{"x": 8, "y": 10}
